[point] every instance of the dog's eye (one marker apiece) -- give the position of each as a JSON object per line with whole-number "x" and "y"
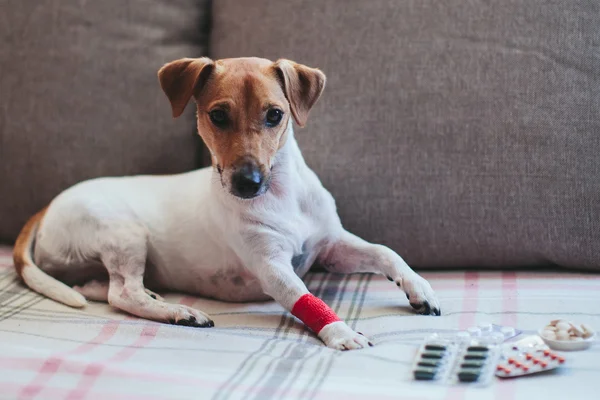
{"x": 274, "y": 117}
{"x": 218, "y": 117}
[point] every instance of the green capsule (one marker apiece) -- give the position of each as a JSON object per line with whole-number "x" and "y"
{"x": 432, "y": 354}
{"x": 473, "y": 364}
{"x": 429, "y": 363}
{"x": 475, "y": 356}
{"x": 471, "y": 370}
{"x": 424, "y": 374}
{"x": 436, "y": 347}
{"x": 468, "y": 375}
{"x": 477, "y": 348}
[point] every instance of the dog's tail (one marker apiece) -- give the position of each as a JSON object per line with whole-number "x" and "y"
{"x": 33, "y": 276}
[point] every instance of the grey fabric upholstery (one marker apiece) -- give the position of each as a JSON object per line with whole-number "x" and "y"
{"x": 80, "y": 97}
{"x": 458, "y": 133}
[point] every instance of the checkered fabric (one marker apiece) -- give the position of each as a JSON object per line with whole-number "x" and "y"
{"x": 258, "y": 351}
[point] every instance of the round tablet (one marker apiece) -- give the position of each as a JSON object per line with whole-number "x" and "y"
{"x": 563, "y": 326}
{"x": 562, "y": 335}
{"x": 508, "y": 331}
{"x": 549, "y": 334}
{"x": 474, "y": 331}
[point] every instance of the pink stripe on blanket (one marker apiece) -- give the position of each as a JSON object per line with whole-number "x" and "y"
{"x": 467, "y": 320}
{"x": 93, "y": 371}
{"x": 507, "y": 389}
{"x": 53, "y": 364}
{"x": 133, "y": 377}
{"x": 13, "y": 389}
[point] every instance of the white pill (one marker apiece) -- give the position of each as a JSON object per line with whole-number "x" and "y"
{"x": 576, "y": 339}
{"x": 562, "y": 335}
{"x": 474, "y": 331}
{"x": 508, "y": 331}
{"x": 575, "y": 331}
{"x": 549, "y": 334}
{"x": 587, "y": 331}
{"x": 497, "y": 336}
{"x": 563, "y": 330}
{"x": 563, "y": 326}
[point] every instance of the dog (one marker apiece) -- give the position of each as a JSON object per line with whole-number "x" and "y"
{"x": 248, "y": 228}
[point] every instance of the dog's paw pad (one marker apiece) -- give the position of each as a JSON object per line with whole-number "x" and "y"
{"x": 190, "y": 321}
{"x": 193, "y": 322}
{"x": 187, "y": 316}
{"x": 425, "y": 309}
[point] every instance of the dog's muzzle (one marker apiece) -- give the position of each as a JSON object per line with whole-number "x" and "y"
{"x": 248, "y": 179}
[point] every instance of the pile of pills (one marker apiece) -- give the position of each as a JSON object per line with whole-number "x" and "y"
{"x": 563, "y": 330}
{"x": 518, "y": 363}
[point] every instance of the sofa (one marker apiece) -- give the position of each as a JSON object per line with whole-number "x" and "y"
{"x": 463, "y": 135}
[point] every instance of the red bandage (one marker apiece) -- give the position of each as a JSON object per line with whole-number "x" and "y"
{"x": 314, "y": 312}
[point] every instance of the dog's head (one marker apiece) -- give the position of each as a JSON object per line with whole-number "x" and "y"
{"x": 244, "y": 110}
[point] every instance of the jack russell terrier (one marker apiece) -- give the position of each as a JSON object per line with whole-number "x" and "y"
{"x": 246, "y": 229}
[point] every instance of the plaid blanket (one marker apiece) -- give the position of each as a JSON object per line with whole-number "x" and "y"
{"x": 258, "y": 351}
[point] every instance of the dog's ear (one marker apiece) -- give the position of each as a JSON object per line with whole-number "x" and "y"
{"x": 180, "y": 79}
{"x": 302, "y": 86}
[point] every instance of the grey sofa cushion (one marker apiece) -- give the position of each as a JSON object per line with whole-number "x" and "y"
{"x": 80, "y": 97}
{"x": 458, "y": 133}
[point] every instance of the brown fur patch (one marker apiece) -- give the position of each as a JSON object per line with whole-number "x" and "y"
{"x": 302, "y": 85}
{"x": 244, "y": 88}
{"x": 23, "y": 241}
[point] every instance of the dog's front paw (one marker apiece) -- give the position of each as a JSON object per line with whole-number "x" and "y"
{"x": 340, "y": 336}
{"x": 420, "y": 295}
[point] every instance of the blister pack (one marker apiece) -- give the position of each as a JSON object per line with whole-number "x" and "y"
{"x": 527, "y": 356}
{"x": 518, "y": 363}
{"x": 434, "y": 360}
{"x": 469, "y": 356}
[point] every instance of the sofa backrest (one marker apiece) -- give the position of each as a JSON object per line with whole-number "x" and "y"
{"x": 458, "y": 133}
{"x": 80, "y": 97}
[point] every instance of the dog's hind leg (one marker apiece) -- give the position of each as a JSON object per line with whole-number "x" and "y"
{"x": 98, "y": 291}
{"x": 94, "y": 290}
{"x": 125, "y": 261}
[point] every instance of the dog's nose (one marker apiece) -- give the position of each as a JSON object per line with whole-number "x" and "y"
{"x": 247, "y": 180}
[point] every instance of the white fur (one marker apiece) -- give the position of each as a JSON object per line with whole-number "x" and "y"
{"x": 187, "y": 233}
